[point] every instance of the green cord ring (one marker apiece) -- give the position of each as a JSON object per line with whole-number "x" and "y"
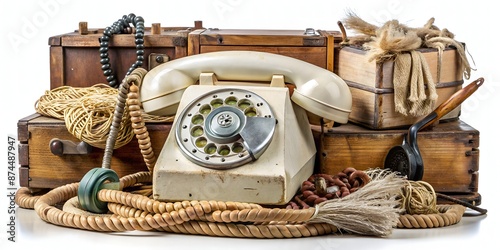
{"x": 91, "y": 184}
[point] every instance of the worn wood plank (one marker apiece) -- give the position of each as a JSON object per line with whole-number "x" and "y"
{"x": 194, "y": 42}
{"x": 376, "y": 110}
{"x": 314, "y": 55}
{"x": 56, "y": 67}
{"x": 260, "y": 37}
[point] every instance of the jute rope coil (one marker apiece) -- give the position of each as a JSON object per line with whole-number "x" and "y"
{"x": 419, "y": 201}
{"x": 445, "y": 216}
{"x": 88, "y": 113}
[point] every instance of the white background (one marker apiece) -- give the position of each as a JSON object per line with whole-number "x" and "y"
{"x": 27, "y": 25}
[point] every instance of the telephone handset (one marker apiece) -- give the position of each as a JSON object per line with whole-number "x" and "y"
{"x": 318, "y": 90}
{"x": 239, "y": 141}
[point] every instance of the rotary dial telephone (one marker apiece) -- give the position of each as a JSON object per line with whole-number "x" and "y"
{"x": 239, "y": 134}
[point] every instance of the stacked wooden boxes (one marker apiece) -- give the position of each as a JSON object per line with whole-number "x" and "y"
{"x": 450, "y": 149}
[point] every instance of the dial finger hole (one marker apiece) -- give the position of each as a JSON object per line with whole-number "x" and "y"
{"x": 210, "y": 149}
{"x": 216, "y": 103}
{"x": 251, "y": 112}
{"x": 201, "y": 142}
{"x": 196, "y": 131}
{"x": 231, "y": 101}
{"x": 197, "y": 119}
{"x": 205, "y": 109}
{"x": 237, "y": 148}
{"x": 224, "y": 150}
{"x": 244, "y": 104}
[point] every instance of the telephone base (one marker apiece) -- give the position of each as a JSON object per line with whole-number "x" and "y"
{"x": 273, "y": 178}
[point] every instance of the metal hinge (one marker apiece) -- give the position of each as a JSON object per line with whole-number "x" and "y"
{"x": 156, "y": 59}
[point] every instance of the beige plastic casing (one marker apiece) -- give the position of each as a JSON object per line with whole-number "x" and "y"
{"x": 273, "y": 178}
{"x": 318, "y": 90}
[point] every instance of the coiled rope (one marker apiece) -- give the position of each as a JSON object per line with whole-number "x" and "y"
{"x": 88, "y": 113}
{"x": 419, "y": 201}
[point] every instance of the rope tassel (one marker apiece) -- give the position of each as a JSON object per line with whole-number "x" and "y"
{"x": 372, "y": 210}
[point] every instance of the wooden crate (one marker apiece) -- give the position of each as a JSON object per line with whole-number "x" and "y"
{"x": 40, "y": 168}
{"x": 313, "y": 46}
{"x": 373, "y": 91}
{"x": 75, "y": 57}
{"x": 450, "y": 152}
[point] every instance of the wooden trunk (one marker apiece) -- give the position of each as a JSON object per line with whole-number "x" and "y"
{"x": 75, "y": 57}
{"x": 372, "y": 88}
{"x": 40, "y": 168}
{"x": 313, "y": 46}
{"x": 450, "y": 152}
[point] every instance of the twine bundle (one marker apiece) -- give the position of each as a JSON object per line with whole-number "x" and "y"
{"x": 414, "y": 87}
{"x": 418, "y": 197}
{"x": 88, "y": 113}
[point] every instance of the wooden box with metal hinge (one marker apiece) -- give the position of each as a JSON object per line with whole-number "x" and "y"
{"x": 310, "y": 45}
{"x": 449, "y": 150}
{"x": 49, "y": 156}
{"x": 75, "y": 57}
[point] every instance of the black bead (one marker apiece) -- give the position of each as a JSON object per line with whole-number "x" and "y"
{"x": 105, "y": 60}
{"x": 139, "y": 41}
{"x": 139, "y": 35}
{"x": 139, "y": 46}
{"x": 140, "y": 58}
{"x": 104, "y": 55}
{"x": 107, "y": 32}
{"x": 105, "y": 38}
{"x": 138, "y": 19}
{"x": 105, "y": 66}
{"x": 113, "y": 83}
{"x": 131, "y": 17}
{"x": 110, "y": 78}
{"x": 107, "y": 72}
{"x": 140, "y": 52}
{"x": 104, "y": 44}
{"x": 103, "y": 49}
{"x": 138, "y": 63}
